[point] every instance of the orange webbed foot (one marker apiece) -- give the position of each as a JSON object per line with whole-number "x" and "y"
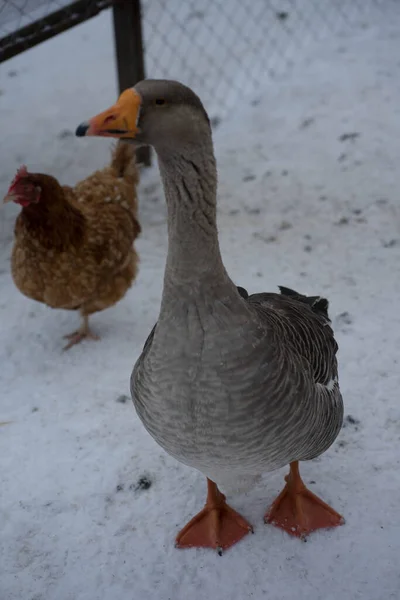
{"x": 298, "y": 511}
{"x": 217, "y": 526}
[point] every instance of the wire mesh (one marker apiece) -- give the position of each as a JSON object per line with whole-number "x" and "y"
{"x": 25, "y": 23}
{"x": 225, "y": 48}
{"x": 222, "y": 48}
{"x": 16, "y": 14}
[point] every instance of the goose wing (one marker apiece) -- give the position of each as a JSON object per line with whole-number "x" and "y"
{"x": 302, "y": 326}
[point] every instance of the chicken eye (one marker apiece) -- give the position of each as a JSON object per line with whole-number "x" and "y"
{"x": 160, "y": 101}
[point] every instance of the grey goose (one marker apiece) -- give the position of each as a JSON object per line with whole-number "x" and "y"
{"x": 231, "y": 384}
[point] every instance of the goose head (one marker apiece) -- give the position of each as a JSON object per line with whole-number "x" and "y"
{"x": 159, "y": 113}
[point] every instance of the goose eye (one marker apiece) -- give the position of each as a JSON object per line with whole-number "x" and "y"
{"x": 160, "y": 101}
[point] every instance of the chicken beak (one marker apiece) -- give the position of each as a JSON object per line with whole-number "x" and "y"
{"x": 118, "y": 121}
{"x": 10, "y": 197}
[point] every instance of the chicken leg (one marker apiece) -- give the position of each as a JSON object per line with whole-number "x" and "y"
{"x": 217, "y": 526}
{"x": 82, "y": 333}
{"x": 298, "y": 511}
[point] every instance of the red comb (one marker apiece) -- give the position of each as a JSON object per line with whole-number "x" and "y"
{"x": 21, "y": 172}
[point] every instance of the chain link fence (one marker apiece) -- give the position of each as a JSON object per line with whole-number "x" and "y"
{"x": 222, "y": 48}
{"x": 225, "y": 48}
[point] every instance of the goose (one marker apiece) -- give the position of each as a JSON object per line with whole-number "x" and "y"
{"x": 231, "y": 384}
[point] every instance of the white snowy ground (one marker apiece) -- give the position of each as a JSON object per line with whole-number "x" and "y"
{"x": 298, "y": 207}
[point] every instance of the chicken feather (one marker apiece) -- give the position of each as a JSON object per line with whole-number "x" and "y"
{"x": 73, "y": 246}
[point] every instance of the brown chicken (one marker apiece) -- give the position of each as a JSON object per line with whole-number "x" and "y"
{"x": 74, "y": 246}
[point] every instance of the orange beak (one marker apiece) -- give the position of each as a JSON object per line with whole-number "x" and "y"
{"x": 118, "y": 121}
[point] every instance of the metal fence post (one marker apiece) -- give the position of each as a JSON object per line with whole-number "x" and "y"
{"x": 129, "y": 52}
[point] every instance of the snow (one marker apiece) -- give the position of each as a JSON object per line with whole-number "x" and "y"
{"x": 302, "y": 204}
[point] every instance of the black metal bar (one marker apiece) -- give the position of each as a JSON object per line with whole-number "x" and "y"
{"x": 49, "y": 26}
{"x": 129, "y": 52}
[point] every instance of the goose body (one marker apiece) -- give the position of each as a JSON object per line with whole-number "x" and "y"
{"x": 258, "y": 389}
{"x": 230, "y": 384}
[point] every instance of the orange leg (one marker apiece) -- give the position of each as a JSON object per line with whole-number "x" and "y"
{"x": 82, "y": 333}
{"x": 298, "y": 511}
{"x": 217, "y": 526}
